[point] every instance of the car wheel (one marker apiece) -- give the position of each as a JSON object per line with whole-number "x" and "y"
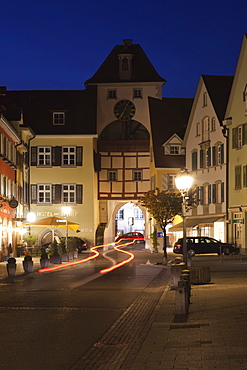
{"x": 227, "y": 251}
{"x": 191, "y": 252}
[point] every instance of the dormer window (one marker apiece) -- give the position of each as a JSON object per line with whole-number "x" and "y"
{"x": 58, "y": 118}
{"x": 174, "y": 149}
{"x": 125, "y": 66}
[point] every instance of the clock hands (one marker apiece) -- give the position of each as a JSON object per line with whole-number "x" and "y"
{"x": 124, "y": 110}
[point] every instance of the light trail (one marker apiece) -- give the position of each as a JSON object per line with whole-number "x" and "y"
{"x": 95, "y": 255}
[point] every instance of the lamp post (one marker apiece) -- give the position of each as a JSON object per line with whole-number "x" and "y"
{"x": 66, "y": 210}
{"x": 183, "y": 183}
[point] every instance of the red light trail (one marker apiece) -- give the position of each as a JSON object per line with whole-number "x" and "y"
{"x": 95, "y": 255}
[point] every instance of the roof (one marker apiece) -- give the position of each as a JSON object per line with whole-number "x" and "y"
{"x": 142, "y": 69}
{"x": 168, "y": 116}
{"x": 218, "y": 88}
{"x": 38, "y": 107}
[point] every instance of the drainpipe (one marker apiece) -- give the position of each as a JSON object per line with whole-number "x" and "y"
{"x": 225, "y": 131}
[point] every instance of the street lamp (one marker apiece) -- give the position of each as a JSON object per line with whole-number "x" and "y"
{"x": 66, "y": 210}
{"x": 183, "y": 183}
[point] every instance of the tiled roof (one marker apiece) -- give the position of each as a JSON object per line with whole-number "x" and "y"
{"x": 142, "y": 69}
{"x": 218, "y": 88}
{"x": 38, "y": 107}
{"x": 168, "y": 116}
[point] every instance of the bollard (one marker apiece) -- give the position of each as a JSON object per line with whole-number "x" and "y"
{"x": 176, "y": 270}
{"x": 27, "y": 264}
{"x": 181, "y": 300}
{"x": 186, "y": 277}
{"x": 11, "y": 266}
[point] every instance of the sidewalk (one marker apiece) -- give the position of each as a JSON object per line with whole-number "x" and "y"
{"x": 19, "y": 267}
{"x": 212, "y": 336}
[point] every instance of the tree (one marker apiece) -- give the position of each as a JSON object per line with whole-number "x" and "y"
{"x": 163, "y": 206}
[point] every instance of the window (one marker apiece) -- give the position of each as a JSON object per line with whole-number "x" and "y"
{"x": 68, "y": 193}
{"x": 208, "y": 157}
{"x": 198, "y": 129}
{"x": 137, "y": 93}
{"x": 137, "y": 175}
{"x": 58, "y": 118}
{"x": 171, "y": 181}
{"x": 205, "y": 194}
{"x": 112, "y": 175}
{"x": 112, "y": 94}
{"x": 68, "y": 156}
{"x": 220, "y": 154}
{"x": 120, "y": 214}
{"x": 213, "y": 124}
{"x": 205, "y": 99}
{"x": 237, "y": 177}
{"x": 44, "y": 193}
{"x": 245, "y": 99}
{"x": 125, "y": 64}
{"x": 138, "y": 214}
{"x": 44, "y": 156}
{"x": 237, "y": 137}
{"x": 194, "y": 161}
{"x": 175, "y": 149}
{"x": 205, "y": 129}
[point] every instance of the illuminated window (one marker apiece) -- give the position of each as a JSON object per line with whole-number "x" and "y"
{"x": 205, "y": 99}
{"x": 213, "y": 124}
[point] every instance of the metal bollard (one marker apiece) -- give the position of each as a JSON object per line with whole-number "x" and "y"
{"x": 181, "y": 300}
{"x": 186, "y": 277}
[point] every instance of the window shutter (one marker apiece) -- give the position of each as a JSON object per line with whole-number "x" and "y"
{"x": 201, "y": 195}
{"x": 56, "y": 155}
{"x": 79, "y": 155}
{"x": 222, "y": 153}
{"x": 33, "y": 193}
{"x": 197, "y": 196}
{"x": 244, "y": 177}
{"x": 201, "y": 158}
{"x": 245, "y": 133}
{"x": 97, "y": 161}
{"x": 222, "y": 192}
{"x": 167, "y": 149}
{"x": 34, "y": 156}
{"x": 234, "y": 138}
{"x": 209, "y": 194}
{"x": 214, "y": 193}
{"x": 78, "y": 194}
{"x": 209, "y": 157}
{"x": 164, "y": 181}
{"x": 213, "y": 155}
{"x": 56, "y": 193}
{"x": 194, "y": 161}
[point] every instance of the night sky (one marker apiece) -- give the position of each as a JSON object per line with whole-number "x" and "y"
{"x": 59, "y": 44}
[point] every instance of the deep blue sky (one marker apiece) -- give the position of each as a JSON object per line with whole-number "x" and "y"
{"x": 59, "y": 44}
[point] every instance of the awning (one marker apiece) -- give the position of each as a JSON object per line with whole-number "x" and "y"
{"x": 192, "y": 222}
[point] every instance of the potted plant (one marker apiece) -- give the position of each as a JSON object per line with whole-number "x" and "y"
{"x": 73, "y": 252}
{"x": 54, "y": 257}
{"x": 62, "y": 250}
{"x": 44, "y": 260}
{"x": 30, "y": 240}
{"x": 11, "y": 266}
{"x": 154, "y": 238}
{"x": 27, "y": 263}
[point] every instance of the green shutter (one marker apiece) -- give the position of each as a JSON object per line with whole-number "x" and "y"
{"x": 244, "y": 133}
{"x": 234, "y": 138}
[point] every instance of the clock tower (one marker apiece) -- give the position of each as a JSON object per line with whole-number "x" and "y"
{"x": 124, "y": 82}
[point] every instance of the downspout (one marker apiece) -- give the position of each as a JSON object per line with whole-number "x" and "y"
{"x": 225, "y": 131}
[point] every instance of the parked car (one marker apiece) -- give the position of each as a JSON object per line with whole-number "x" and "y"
{"x": 203, "y": 245}
{"x": 132, "y": 235}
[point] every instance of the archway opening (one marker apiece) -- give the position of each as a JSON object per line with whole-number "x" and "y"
{"x": 129, "y": 218}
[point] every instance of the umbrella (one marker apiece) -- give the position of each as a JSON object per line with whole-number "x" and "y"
{"x": 53, "y": 222}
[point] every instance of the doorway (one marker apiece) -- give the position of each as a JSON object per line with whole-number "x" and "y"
{"x": 129, "y": 218}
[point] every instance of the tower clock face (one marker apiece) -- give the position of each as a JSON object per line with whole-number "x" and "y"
{"x": 124, "y": 110}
